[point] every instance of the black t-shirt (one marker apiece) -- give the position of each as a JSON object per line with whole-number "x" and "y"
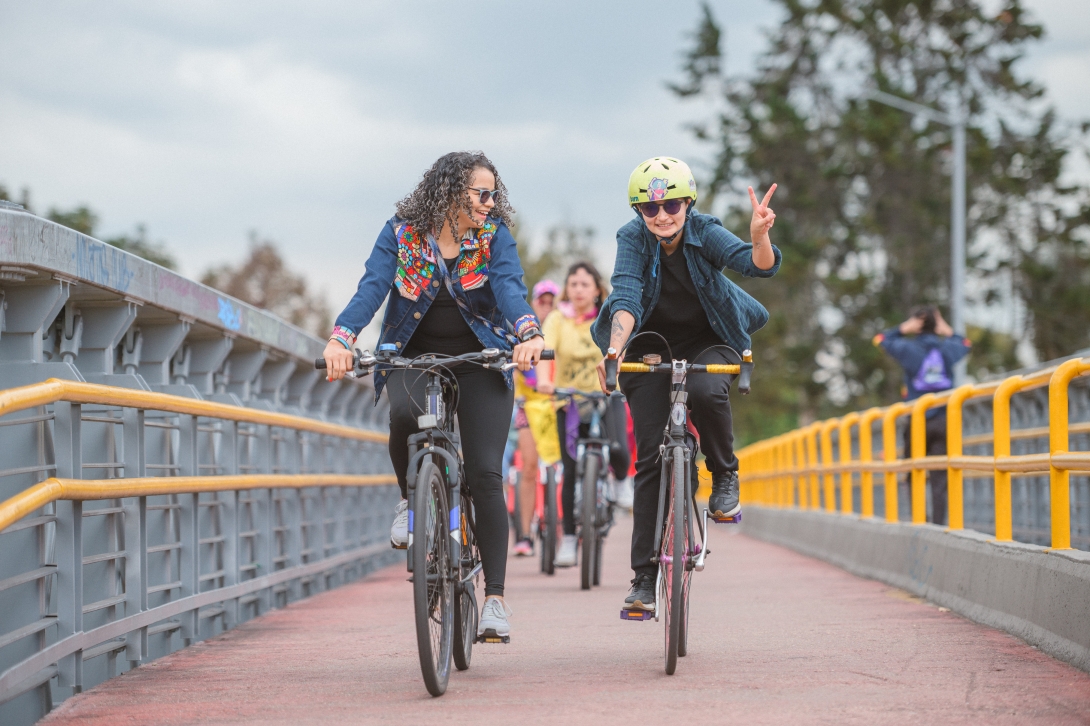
{"x": 678, "y": 316}
{"x": 443, "y": 329}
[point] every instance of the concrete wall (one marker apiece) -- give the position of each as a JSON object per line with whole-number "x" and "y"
{"x": 1039, "y": 595}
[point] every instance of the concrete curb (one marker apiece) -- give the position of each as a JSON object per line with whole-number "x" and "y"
{"x": 1039, "y": 595}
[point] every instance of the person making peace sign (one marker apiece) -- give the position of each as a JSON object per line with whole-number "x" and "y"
{"x": 667, "y": 280}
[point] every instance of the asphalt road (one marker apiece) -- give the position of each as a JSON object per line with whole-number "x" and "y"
{"x": 776, "y": 638}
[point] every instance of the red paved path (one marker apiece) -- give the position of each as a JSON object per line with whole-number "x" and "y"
{"x": 776, "y": 638}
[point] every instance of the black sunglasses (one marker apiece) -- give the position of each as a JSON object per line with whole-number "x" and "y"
{"x": 486, "y": 194}
{"x": 651, "y": 209}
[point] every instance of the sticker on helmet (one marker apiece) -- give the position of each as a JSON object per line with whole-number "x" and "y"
{"x": 692, "y": 184}
{"x": 656, "y": 189}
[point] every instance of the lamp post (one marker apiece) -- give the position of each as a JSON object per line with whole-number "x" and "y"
{"x": 955, "y": 121}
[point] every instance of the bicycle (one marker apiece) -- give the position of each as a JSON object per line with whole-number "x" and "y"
{"x": 442, "y": 549}
{"x": 548, "y": 518}
{"x": 545, "y": 522}
{"x": 675, "y": 542}
{"x": 592, "y": 467}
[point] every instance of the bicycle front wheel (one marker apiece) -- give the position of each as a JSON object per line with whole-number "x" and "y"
{"x": 672, "y": 560}
{"x": 432, "y": 587}
{"x": 588, "y": 520}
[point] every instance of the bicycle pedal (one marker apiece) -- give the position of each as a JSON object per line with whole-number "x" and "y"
{"x": 490, "y": 636}
{"x": 734, "y": 519}
{"x": 398, "y": 547}
{"x": 627, "y": 614}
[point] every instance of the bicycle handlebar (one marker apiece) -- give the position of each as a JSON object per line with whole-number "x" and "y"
{"x": 743, "y": 370}
{"x": 368, "y": 360}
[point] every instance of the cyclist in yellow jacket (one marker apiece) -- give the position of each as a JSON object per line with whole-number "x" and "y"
{"x": 536, "y": 426}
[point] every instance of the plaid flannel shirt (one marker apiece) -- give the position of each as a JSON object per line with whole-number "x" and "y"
{"x": 709, "y": 248}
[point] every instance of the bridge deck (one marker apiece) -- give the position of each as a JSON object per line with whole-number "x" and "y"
{"x": 776, "y": 638}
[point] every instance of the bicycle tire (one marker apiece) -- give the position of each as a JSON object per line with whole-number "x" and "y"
{"x": 548, "y": 540}
{"x": 673, "y": 546}
{"x": 589, "y": 515}
{"x": 687, "y": 573}
{"x": 466, "y": 614}
{"x": 431, "y": 578}
{"x": 599, "y": 540}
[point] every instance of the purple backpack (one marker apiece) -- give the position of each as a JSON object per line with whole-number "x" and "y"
{"x": 932, "y": 375}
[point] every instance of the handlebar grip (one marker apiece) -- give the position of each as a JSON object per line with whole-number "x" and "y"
{"x": 743, "y": 377}
{"x": 548, "y": 354}
{"x": 320, "y": 364}
{"x": 611, "y": 374}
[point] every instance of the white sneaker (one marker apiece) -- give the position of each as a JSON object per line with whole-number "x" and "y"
{"x": 624, "y": 493}
{"x": 399, "y": 531}
{"x": 567, "y": 555}
{"x": 494, "y": 616}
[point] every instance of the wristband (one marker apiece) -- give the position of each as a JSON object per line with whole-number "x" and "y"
{"x": 344, "y": 336}
{"x": 528, "y": 333}
{"x": 527, "y": 327}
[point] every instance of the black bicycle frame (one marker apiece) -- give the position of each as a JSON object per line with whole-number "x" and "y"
{"x": 437, "y": 440}
{"x": 674, "y": 436}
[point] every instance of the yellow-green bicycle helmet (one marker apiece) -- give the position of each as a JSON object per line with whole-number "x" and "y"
{"x": 661, "y": 178}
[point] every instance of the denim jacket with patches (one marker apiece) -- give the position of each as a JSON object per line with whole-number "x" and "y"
{"x": 406, "y": 266}
{"x": 708, "y": 247}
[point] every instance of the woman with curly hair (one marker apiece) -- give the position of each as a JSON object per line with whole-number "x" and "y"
{"x": 449, "y": 266}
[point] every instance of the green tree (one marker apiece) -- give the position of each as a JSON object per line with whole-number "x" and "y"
{"x": 863, "y": 206}
{"x": 564, "y": 244}
{"x": 85, "y": 221}
{"x": 264, "y": 280}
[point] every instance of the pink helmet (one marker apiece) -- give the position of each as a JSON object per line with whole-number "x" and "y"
{"x": 546, "y": 287}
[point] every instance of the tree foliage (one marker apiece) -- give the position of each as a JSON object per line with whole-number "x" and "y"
{"x": 264, "y": 280}
{"x": 564, "y": 244}
{"x": 864, "y": 200}
{"x": 84, "y": 220}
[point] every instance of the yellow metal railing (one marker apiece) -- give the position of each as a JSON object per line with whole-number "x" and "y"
{"x": 51, "y": 490}
{"x": 53, "y": 390}
{"x": 793, "y": 469}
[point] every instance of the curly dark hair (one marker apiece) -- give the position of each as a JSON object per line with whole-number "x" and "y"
{"x": 441, "y": 193}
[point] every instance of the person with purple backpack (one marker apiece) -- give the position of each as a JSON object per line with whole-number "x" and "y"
{"x": 927, "y": 349}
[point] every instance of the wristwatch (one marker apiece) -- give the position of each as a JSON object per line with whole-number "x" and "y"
{"x": 530, "y": 332}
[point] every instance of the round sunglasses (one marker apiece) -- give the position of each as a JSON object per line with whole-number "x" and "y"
{"x": 651, "y": 209}
{"x": 486, "y": 194}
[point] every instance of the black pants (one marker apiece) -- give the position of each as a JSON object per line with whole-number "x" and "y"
{"x": 649, "y": 400}
{"x": 936, "y": 446}
{"x": 618, "y": 458}
{"x": 484, "y": 415}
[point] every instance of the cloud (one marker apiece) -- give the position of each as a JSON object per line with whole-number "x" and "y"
{"x": 307, "y": 121}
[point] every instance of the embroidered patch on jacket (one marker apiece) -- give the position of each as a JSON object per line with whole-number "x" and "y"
{"x": 415, "y": 263}
{"x": 473, "y": 263}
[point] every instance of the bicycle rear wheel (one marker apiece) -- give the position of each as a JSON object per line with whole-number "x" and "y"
{"x": 548, "y": 533}
{"x": 465, "y": 600}
{"x": 672, "y": 560}
{"x": 588, "y": 520}
{"x": 431, "y": 578}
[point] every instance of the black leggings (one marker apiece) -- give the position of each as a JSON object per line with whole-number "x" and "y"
{"x": 649, "y": 400}
{"x": 484, "y": 415}
{"x": 618, "y": 460}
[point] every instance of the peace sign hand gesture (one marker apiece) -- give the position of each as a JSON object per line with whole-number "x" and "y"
{"x": 763, "y": 217}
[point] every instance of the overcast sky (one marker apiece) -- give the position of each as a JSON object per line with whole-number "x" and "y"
{"x": 307, "y": 120}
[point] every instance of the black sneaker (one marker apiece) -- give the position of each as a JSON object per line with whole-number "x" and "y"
{"x": 724, "y": 499}
{"x": 642, "y": 594}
